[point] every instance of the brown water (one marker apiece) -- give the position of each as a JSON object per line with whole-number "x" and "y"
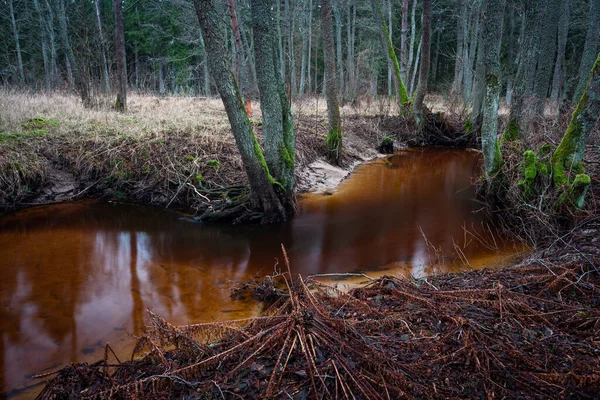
{"x": 76, "y": 276}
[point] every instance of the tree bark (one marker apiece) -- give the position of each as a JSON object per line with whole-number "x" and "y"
{"x": 403, "y": 41}
{"x": 103, "y": 45}
{"x": 546, "y": 55}
{"x": 425, "y": 57}
{"x": 80, "y": 82}
{"x": 559, "y": 65}
{"x": 17, "y": 41}
{"x": 121, "y": 102}
{"x": 413, "y": 34}
{"x": 492, "y": 39}
{"x": 479, "y": 81}
{"x": 525, "y": 73}
{"x": 459, "y": 64}
{"x": 590, "y": 48}
{"x": 278, "y": 129}
{"x": 338, "y": 46}
{"x": 334, "y": 137}
{"x": 568, "y": 156}
{"x": 262, "y": 193}
{"x": 388, "y": 47}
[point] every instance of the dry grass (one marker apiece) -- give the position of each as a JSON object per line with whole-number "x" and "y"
{"x": 168, "y": 151}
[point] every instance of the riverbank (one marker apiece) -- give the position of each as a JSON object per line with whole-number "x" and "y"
{"x": 175, "y": 152}
{"x": 526, "y": 331}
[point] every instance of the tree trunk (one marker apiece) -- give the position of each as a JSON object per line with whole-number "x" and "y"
{"x": 304, "y": 48}
{"x": 292, "y": 51}
{"x": 103, "y": 45}
{"x": 278, "y": 129}
{"x": 280, "y": 39}
{"x": 121, "y": 102}
{"x": 338, "y": 45}
{"x": 436, "y": 59}
{"x": 391, "y": 35}
{"x": 492, "y": 39}
{"x": 479, "y": 81}
{"x": 403, "y": 41}
{"x": 414, "y": 82}
{"x": 262, "y": 193}
{"x": 308, "y": 64}
{"x": 388, "y": 47}
{"x": 413, "y": 34}
{"x": 80, "y": 83}
{"x": 546, "y": 58}
{"x": 525, "y": 73}
{"x": 459, "y": 64}
{"x": 425, "y": 57}
{"x": 43, "y": 40}
{"x": 334, "y": 137}
{"x": 510, "y": 67}
{"x": 471, "y": 51}
{"x": 17, "y": 41}
{"x": 559, "y": 66}
{"x": 568, "y": 156}
{"x": 590, "y": 48}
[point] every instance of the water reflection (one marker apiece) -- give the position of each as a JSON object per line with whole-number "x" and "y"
{"x": 76, "y": 276}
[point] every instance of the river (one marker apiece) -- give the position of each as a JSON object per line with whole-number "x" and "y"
{"x": 76, "y": 276}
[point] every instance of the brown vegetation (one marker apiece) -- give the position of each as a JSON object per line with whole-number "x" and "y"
{"x": 174, "y": 151}
{"x": 521, "y": 332}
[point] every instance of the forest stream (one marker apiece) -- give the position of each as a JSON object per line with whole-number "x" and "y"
{"x": 79, "y": 275}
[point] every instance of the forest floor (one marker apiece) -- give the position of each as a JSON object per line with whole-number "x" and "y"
{"x": 525, "y": 331}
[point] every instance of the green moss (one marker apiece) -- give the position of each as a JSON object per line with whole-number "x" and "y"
{"x": 579, "y": 189}
{"x": 545, "y": 149}
{"x": 468, "y": 125}
{"x": 392, "y": 56}
{"x": 511, "y": 132}
{"x": 213, "y": 164}
{"x": 564, "y": 158}
{"x": 199, "y": 178}
{"x": 387, "y": 141}
{"x": 498, "y": 160}
{"x": 38, "y": 123}
{"x": 287, "y": 158}
{"x": 334, "y": 140}
{"x": 530, "y": 171}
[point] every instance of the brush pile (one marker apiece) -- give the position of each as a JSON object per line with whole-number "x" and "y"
{"x": 531, "y": 331}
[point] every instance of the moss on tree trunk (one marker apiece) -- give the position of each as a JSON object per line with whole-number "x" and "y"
{"x": 568, "y": 156}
